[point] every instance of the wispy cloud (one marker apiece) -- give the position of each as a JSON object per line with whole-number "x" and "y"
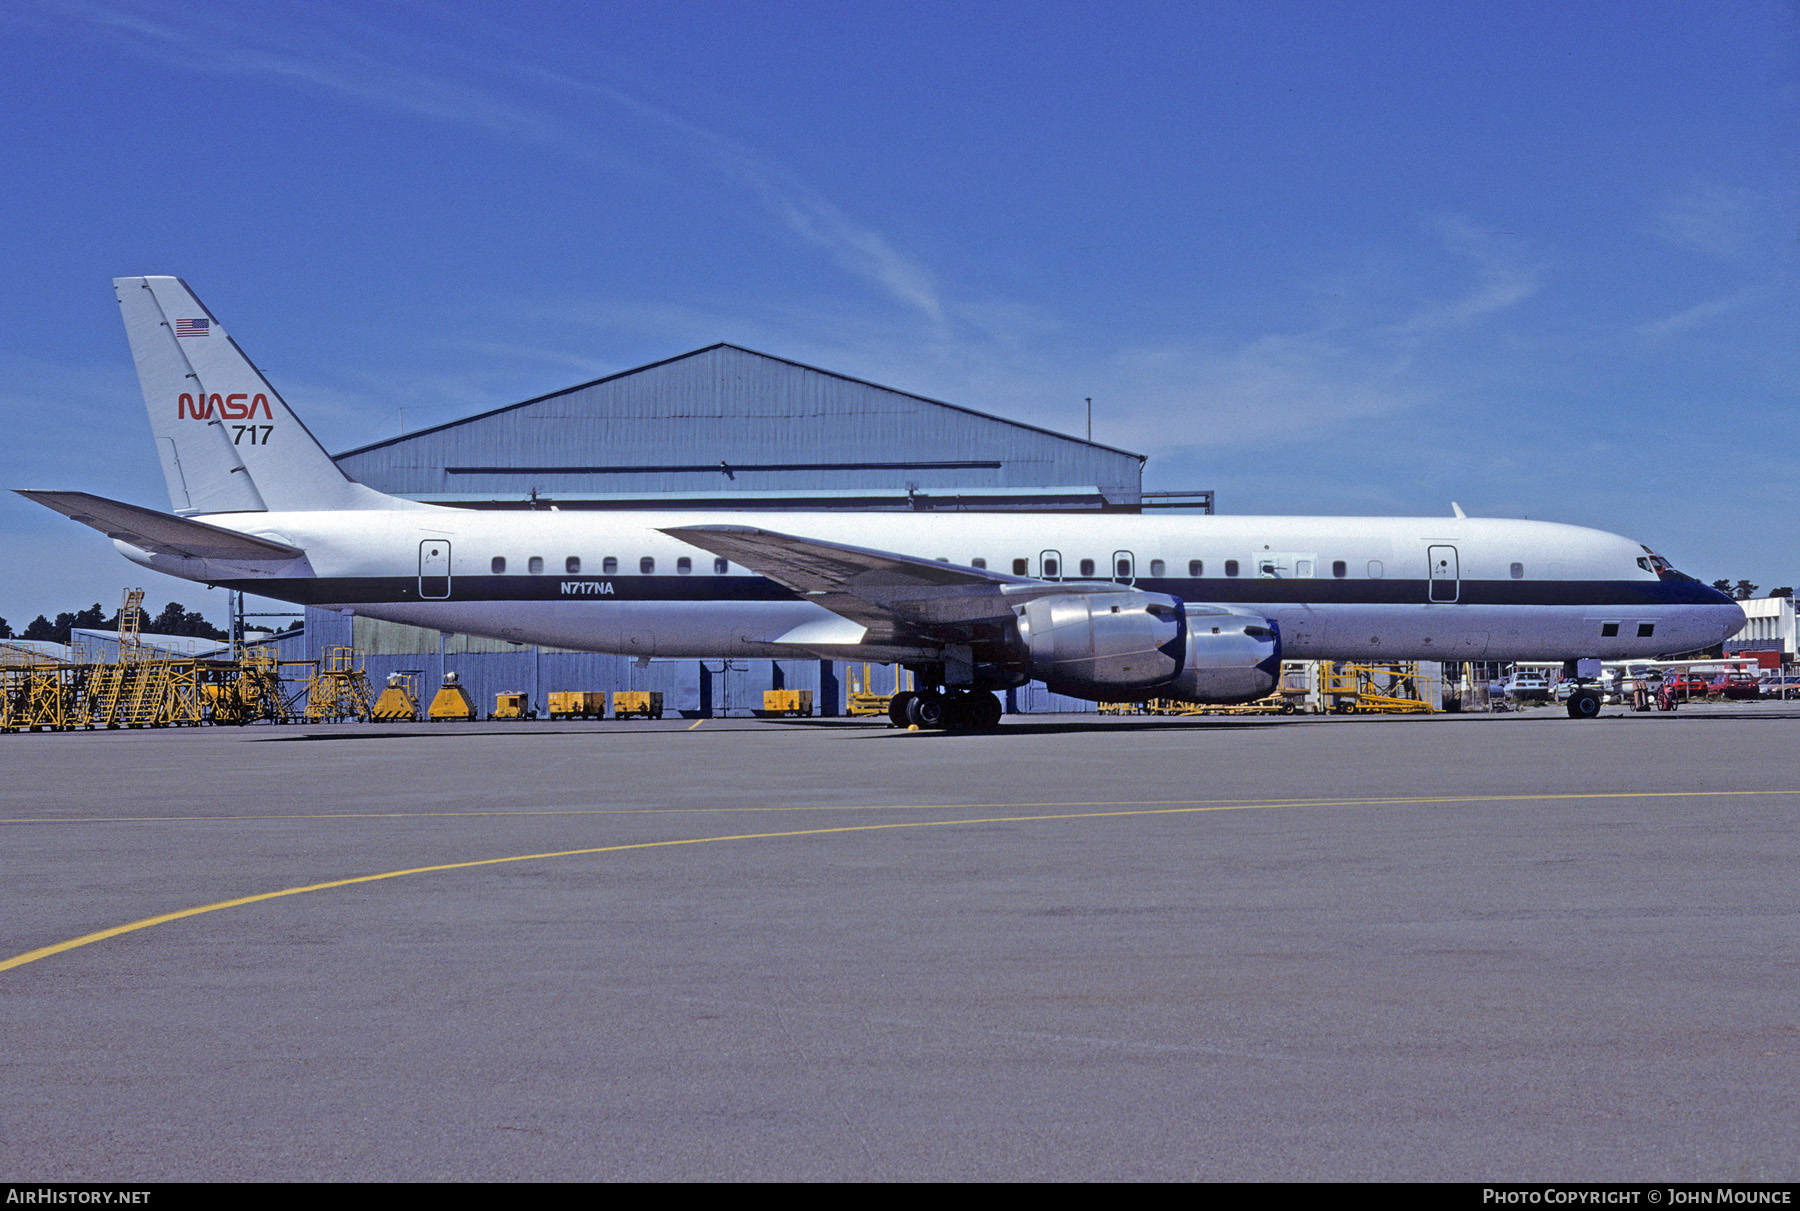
{"x": 1501, "y": 281}
{"x": 353, "y": 60}
{"x": 1717, "y": 220}
{"x": 1698, "y": 315}
{"x": 915, "y": 332}
{"x": 805, "y": 212}
{"x": 337, "y": 55}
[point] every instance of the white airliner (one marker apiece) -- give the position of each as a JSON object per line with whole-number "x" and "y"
{"x": 1098, "y": 606}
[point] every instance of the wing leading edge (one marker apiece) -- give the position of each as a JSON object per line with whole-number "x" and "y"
{"x": 898, "y": 598}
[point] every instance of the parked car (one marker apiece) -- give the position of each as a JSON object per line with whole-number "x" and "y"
{"x": 1779, "y": 685}
{"x": 1528, "y": 687}
{"x": 1683, "y": 684}
{"x": 1738, "y": 684}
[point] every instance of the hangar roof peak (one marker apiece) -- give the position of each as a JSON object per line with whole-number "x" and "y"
{"x": 716, "y": 348}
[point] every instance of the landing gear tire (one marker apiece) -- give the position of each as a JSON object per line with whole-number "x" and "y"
{"x": 1584, "y": 704}
{"x": 898, "y": 706}
{"x": 927, "y": 709}
{"x": 974, "y": 711}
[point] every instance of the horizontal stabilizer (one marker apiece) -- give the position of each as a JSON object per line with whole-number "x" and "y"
{"x": 160, "y": 533}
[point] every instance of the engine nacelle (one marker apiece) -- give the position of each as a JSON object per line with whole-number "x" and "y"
{"x": 1103, "y": 645}
{"x": 1231, "y": 656}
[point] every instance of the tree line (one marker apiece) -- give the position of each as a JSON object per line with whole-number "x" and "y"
{"x": 1743, "y": 590}
{"x": 175, "y": 619}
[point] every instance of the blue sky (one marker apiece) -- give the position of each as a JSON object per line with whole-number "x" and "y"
{"x": 1324, "y": 258}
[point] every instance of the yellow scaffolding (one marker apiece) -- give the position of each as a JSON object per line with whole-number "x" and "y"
{"x": 140, "y": 687}
{"x": 339, "y": 690}
{"x": 862, "y": 698}
{"x": 1374, "y": 689}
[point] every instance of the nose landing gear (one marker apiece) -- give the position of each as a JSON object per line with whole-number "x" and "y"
{"x": 1584, "y": 703}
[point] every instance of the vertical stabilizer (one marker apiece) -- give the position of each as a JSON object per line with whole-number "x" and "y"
{"x": 228, "y": 441}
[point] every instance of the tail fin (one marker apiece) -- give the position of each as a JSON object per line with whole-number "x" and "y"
{"x": 228, "y": 442}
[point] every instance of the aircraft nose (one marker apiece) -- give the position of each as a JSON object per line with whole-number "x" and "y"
{"x": 1729, "y": 616}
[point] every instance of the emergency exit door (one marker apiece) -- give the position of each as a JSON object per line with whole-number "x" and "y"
{"x": 1445, "y": 577}
{"x": 434, "y": 569}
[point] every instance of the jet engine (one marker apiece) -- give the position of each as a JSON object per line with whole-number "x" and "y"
{"x": 1103, "y": 645}
{"x": 1231, "y": 656}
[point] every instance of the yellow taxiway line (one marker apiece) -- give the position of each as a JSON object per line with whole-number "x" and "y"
{"x": 44, "y": 952}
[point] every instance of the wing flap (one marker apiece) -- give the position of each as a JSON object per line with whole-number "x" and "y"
{"x": 162, "y": 533}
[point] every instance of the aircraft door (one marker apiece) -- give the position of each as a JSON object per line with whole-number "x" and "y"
{"x": 1444, "y": 574}
{"x": 1124, "y": 567}
{"x": 1050, "y": 565}
{"x": 434, "y": 569}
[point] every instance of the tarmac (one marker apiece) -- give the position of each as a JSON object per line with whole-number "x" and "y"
{"x": 1466, "y": 948}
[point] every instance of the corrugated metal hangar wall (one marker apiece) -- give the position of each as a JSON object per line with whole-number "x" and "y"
{"x": 721, "y": 427}
{"x": 729, "y": 427}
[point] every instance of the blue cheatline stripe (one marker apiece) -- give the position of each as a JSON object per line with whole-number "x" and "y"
{"x": 352, "y": 590}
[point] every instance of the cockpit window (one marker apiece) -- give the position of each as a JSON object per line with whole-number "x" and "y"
{"x": 1662, "y": 567}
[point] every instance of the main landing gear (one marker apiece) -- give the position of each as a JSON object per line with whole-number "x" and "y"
{"x": 955, "y": 710}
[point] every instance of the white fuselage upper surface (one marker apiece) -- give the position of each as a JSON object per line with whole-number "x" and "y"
{"x": 1338, "y": 588}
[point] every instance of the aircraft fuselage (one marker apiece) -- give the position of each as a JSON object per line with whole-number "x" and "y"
{"x": 1338, "y": 587}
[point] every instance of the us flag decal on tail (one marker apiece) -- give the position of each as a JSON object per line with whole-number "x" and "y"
{"x": 192, "y": 327}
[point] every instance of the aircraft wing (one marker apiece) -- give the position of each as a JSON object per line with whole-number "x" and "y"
{"x": 895, "y": 596}
{"x": 162, "y": 533}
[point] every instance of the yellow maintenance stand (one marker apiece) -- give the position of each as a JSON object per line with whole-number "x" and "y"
{"x": 339, "y": 690}
{"x": 863, "y": 700}
{"x": 1373, "y": 689}
{"x": 451, "y": 704}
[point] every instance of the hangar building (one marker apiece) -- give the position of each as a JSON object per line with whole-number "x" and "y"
{"x": 721, "y": 427}
{"x": 724, "y": 427}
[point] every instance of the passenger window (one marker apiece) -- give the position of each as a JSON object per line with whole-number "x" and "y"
{"x": 536, "y": 565}
{"x": 1518, "y": 571}
{"x": 1020, "y": 566}
{"x": 647, "y": 565}
{"x": 610, "y": 565}
{"x": 683, "y": 566}
{"x": 1339, "y": 569}
{"x": 1375, "y": 569}
{"x": 1231, "y": 567}
{"x": 1609, "y": 630}
{"x": 1196, "y": 566}
{"x": 572, "y": 565}
{"x": 720, "y": 566}
{"x": 1051, "y": 568}
{"x": 1087, "y": 567}
{"x": 499, "y": 564}
{"x": 1156, "y": 567}
{"x": 978, "y": 563}
{"x": 1646, "y": 630}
